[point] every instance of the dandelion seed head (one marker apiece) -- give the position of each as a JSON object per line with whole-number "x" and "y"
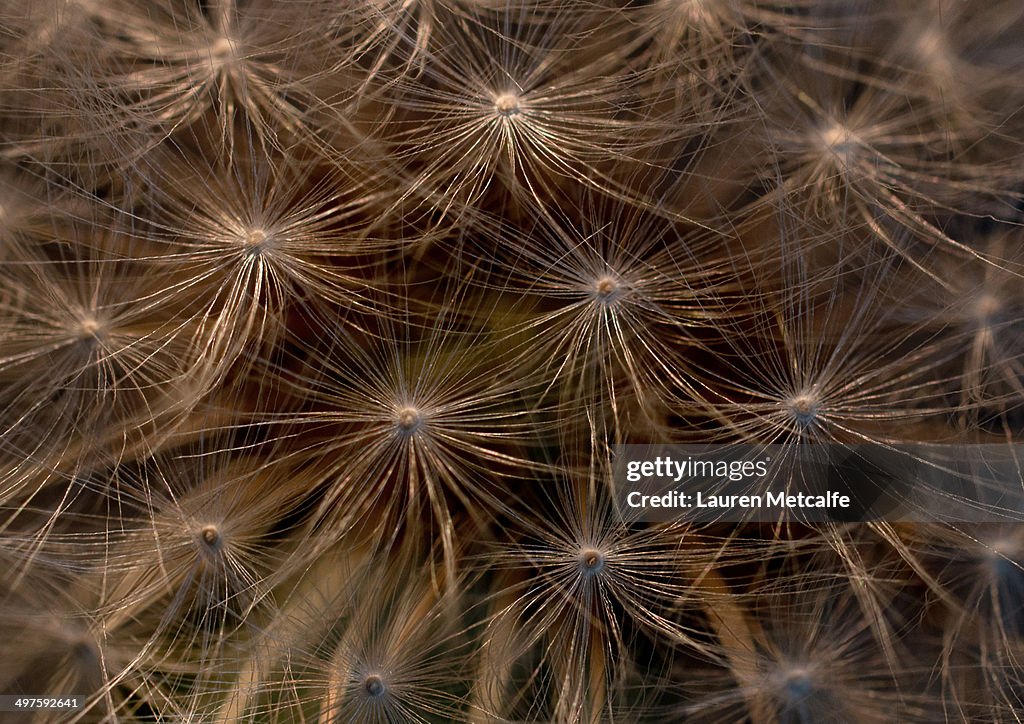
{"x": 243, "y": 187}
{"x": 507, "y": 105}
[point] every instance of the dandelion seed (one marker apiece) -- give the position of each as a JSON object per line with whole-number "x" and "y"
{"x": 815, "y": 660}
{"x": 530, "y": 114}
{"x": 250, "y": 240}
{"x": 793, "y": 381}
{"x": 53, "y": 642}
{"x": 615, "y": 301}
{"x": 382, "y": 650}
{"x": 416, "y": 427}
{"x": 89, "y": 345}
{"x": 190, "y": 560}
{"x": 979, "y": 568}
{"x": 589, "y": 586}
{"x": 147, "y": 74}
{"x": 973, "y": 312}
{"x": 861, "y": 156}
{"x": 949, "y": 53}
{"x": 698, "y": 34}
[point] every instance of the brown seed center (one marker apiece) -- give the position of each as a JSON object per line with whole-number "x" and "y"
{"x": 210, "y": 535}
{"x": 507, "y": 104}
{"x": 591, "y": 560}
{"x": 409, "y": 419}
{"x": 374, "y": 685}
{"x": 804, "y": 408}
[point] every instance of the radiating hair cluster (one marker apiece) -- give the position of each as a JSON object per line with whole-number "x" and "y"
{"x": 320, "y": 322}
